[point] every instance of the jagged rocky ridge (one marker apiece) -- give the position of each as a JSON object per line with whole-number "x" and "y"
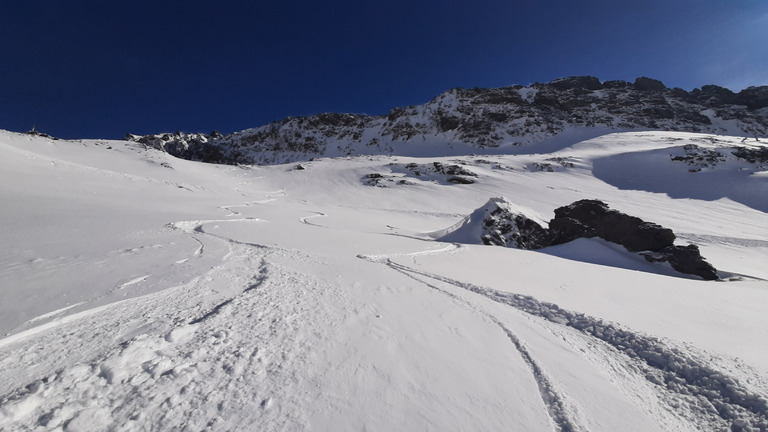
{"x": 499, "y": 223}
{"x": 475, "y": 120}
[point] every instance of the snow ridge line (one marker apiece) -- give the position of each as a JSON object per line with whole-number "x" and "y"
{"x": 713, "y": 395}
{"x": 552, "y": 399}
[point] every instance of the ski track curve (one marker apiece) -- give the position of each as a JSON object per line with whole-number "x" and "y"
{"x": 554, "y": 402}
{"x": 305, "y": 219}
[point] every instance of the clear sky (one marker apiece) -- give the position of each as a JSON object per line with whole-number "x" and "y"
{"x": 100, "y": 69}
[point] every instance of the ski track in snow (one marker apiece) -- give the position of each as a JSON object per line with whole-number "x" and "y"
{"x": 305, "y": 219}
{"x": 704, "y": 396}
{"x": 553, "y": 401}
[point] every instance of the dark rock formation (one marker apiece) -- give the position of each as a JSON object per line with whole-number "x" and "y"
{"x": 197, "y": 147}
{"x": 40, "y": 134}
{"x": 649, "y": 84}
{"x": 753, "y": 97}
{"x": 752, "y": 155}
{"x": 593, "y": 218}
{"x": 685, "y": 259}
{"x": 713, "y": 95}
{"x": 501, "y": 226}
{"x": 580, "y": 82}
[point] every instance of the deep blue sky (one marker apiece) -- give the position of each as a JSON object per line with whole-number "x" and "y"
{"x": 100, "y": 69}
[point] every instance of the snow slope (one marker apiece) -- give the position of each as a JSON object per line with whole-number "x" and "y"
{"x": 143, "y": 292}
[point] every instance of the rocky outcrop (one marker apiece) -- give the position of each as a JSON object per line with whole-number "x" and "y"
{"x": 649, "y": 84}
{"x": 685, "y": 259}
{"x": 593, "y": 218}
{"x": 501, "y": 224}
{"x": 480, "y": 119}
{"x": 752, "y": 155}
{"x": 753, "y": 97}
{"x": 197, "y": 147}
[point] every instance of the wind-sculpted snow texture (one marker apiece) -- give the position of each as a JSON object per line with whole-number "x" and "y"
{"x": 465, "y": 121}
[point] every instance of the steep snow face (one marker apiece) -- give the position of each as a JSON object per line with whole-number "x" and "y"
{"x": 143, "y": 292}
{"x": 513, "y": 119}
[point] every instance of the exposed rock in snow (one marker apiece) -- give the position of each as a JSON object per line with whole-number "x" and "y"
{"x": 504, "y": 226}
{"x": 685, "y": 259}
{"x": 499, "y": 223}
{"x": 593, "y": 218}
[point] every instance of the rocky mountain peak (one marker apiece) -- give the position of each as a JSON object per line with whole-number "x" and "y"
{"x": 469, "y": 120}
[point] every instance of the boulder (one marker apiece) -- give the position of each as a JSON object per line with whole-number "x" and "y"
{"x": 593, "y": 218}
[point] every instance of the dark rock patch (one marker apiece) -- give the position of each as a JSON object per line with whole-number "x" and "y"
{"x": 752, "y": 155}
{"x": 501, "y": 226}
{"x": 685, "y": 259}
{"x": 459, "y": 180}
{"x": 40, "y": 134}
{"x": 578, "y": 82}
{"x": 593, "y": 218}
{"x": 753, "y": 97}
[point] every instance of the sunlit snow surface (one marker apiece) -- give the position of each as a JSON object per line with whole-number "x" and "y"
{"x": 143, "y": 292}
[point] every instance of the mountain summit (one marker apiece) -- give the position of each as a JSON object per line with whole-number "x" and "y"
{"x": 514, "y": 119}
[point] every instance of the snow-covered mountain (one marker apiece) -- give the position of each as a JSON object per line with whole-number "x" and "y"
{"x": 501, "y": 120}
{"x": 140, "y": 291}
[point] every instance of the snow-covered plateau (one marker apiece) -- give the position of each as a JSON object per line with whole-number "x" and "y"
{"x": 141, "y": 292}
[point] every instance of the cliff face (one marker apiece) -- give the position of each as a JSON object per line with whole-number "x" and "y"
{"x": 484, "y": 120}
